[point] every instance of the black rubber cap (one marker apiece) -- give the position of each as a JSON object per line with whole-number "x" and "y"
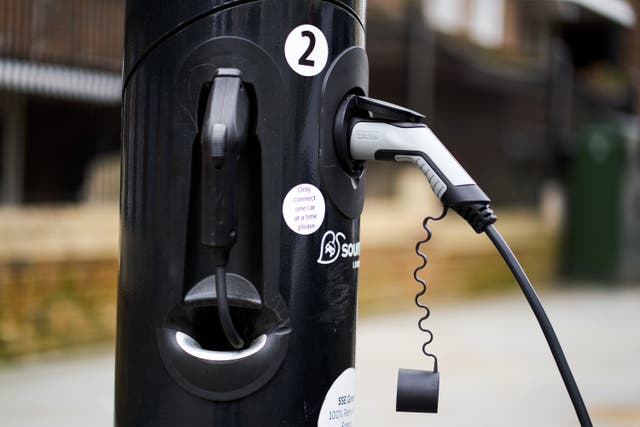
{"x": 417, "y": 391}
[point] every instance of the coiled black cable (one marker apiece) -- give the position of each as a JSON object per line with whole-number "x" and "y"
{"x": 545, "y": 324}
{"x": 423, "y": 290}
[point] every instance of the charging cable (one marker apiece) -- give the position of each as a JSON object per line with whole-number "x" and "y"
{"x": 545, "y": 324}
{"x": 376, "y": 130}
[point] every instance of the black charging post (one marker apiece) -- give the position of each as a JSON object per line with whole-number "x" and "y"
{"x": 228, "y": 117}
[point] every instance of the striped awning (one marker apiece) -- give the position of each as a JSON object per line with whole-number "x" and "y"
{"x": 60, "y": 81}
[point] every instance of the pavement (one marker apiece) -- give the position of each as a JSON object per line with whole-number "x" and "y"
{"x": 495, "y": 367}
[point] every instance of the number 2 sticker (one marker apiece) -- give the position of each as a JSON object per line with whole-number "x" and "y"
{"x": 306, "y": 50}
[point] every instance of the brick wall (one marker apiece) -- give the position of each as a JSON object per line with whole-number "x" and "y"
{"x": 386, "y": 273}
{"x": 58, "y": 277}
{"x": 56, "y": 304}
{"x": 58, "y": 267}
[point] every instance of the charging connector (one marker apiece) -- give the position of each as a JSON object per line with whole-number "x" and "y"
{"x": 369, "y": 129}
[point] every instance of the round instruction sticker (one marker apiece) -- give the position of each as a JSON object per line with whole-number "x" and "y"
{"x": 339, "y": 404}
{"x": 306, "y": 50}
{"x": 303, "y": 209}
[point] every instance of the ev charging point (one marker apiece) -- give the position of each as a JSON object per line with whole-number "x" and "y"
{"x": 246, "y": 129}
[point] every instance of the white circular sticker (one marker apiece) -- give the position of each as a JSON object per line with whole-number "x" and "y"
{"x": 303, "y": 209}
{"x": 306, "y": 50}
{"x": 338, "y": 408}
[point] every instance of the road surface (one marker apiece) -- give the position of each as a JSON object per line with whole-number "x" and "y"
{"x": 494, "y": 364}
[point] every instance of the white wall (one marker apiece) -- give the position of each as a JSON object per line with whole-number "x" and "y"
{"x": 486, "y": 22}
{"x": 482, "y": 20}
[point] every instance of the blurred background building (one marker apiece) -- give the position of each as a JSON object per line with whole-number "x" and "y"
{"x": 537, "y": 98}
{"x": 60, "y": 90}
{"x": 60, "y": 65}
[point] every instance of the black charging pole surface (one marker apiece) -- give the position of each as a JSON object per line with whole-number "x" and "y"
{"x": 292, "y": 275}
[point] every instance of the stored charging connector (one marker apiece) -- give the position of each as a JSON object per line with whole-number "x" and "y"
{"x": 224, "y": 133}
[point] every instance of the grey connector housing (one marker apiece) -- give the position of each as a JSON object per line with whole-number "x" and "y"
{"x": 416, "y": 143}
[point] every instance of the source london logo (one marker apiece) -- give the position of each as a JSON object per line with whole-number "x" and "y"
{"x": 334, "y": 246}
